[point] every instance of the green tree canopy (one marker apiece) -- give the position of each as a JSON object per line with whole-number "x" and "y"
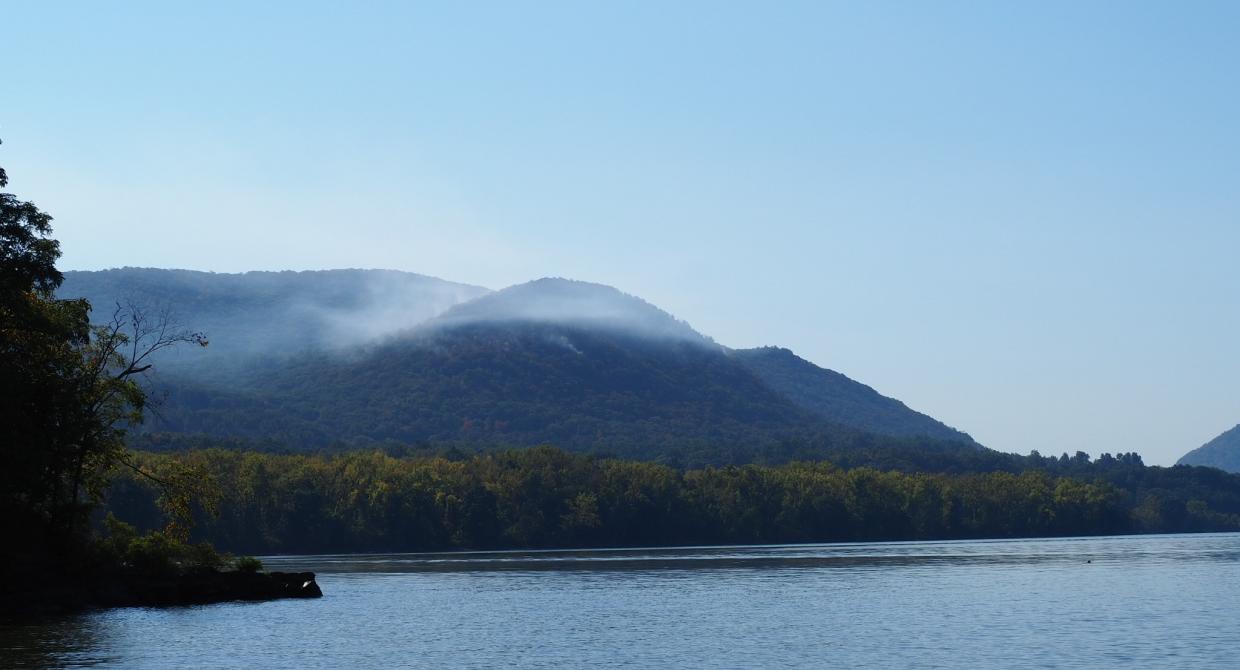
{"x": 70, "y": 389}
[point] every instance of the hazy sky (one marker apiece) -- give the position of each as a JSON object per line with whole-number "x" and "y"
{"x": 1024, "y": 221}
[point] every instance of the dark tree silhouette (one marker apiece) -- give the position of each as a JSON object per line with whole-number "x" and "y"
{"x": 70, "y": 391}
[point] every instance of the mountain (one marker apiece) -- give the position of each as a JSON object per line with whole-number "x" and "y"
{"x": 1223, "y": 452}
{"x": 839, "y": 399}
{"x": 572, "y": 304}
{"x": 577, "y": 364}
{"x": 266, "y": 314}
{"x": 363, "y": 356}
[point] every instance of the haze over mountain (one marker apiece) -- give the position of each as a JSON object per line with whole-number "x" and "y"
{"x": 381, "y": 356}
{"x": 575, "y": 304}
{"x": 271, "y": 313}
{"x": 1223, "y": 452}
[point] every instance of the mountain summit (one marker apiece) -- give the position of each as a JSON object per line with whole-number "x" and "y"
{"x": 571, "y": 303}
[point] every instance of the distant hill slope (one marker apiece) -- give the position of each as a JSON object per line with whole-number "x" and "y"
{"x": 265, "y": 313}
{"x": 839, "y": 399}
{"x": 580, "y": 365}
{"x": 1223, "y": 452}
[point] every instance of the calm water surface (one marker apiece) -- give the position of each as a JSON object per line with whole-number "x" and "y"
{"x": 1167, "y": 601}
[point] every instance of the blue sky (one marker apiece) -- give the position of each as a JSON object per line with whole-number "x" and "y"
{"x": 1022, "y": 220}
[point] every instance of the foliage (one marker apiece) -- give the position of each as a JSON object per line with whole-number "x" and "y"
{"x": 247, "y": 564}
{"x": 155, "y": 553}
{"x": 48, "y": 432}
{"x": 71, "y": 390}
{"x": 545, "y": 497}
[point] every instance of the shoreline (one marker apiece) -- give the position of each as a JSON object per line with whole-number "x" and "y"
{"x": 70, "y": 595}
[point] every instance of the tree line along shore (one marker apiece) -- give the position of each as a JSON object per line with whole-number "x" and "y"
{"x": 542, "y": 497}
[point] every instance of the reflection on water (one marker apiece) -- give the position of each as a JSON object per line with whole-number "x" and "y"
{"x": 854, "y": 556}
{"x": 1155, "y": 602}
{"x": 70, "y": 642}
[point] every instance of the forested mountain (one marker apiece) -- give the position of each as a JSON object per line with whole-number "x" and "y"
{"x": 571, "y": 363}
{"x": 508, "y": 383}
{"x": 1223, "y": 452}
{"x": 269, "y": 314}
{"x": 576, "y": 364}
{"x": 837, "y": 398}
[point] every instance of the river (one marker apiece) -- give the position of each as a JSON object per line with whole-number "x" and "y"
{"x": 1167, "y": 601}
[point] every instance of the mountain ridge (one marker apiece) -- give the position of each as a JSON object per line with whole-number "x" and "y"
{"x": 1223, "y": 452}
{"x": 836, "y": 397}
{"x": 554, "y": 360}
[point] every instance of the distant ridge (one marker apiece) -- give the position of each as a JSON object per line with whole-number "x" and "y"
{"x": 1223, "y": 452}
